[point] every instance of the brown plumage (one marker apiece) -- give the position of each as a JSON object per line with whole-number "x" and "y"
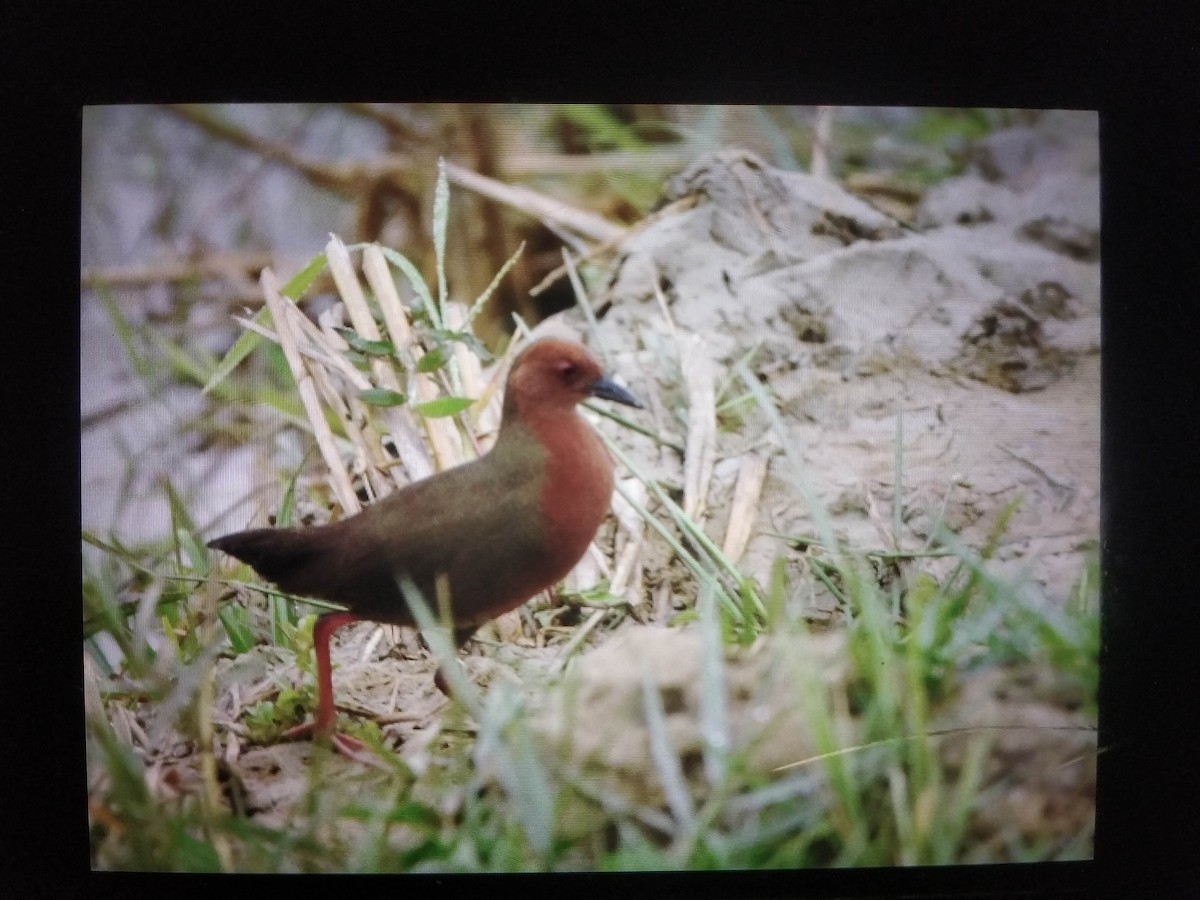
{"x": 501, "y": 528}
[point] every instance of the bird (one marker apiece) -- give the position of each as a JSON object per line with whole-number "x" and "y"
{"x": 496, "y": 531}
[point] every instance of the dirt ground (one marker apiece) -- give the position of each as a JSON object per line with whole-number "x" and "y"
{"x": 979, "y": 328}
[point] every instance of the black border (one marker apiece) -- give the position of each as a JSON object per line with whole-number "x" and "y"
{"x": 1136, "y": 63}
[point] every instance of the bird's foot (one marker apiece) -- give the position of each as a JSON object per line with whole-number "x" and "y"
{"x": 351, "y": 748}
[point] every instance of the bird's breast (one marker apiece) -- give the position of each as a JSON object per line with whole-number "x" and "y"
{"x": 577, "y": 492}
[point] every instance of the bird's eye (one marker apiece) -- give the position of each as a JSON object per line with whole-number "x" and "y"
{"x": 567, "y": 370}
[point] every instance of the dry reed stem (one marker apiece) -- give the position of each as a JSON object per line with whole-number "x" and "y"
{"x": 678, "y": 206}
{"x": 443, "y": 438}
{"x": 487, "y": 420}
{"x": 321, "y": 348}
{"x": 875, "y": 517}
{"x": 822, "y": 141}
{"x": 484, "y": 415}
{"x": 306, "y": 388}
{"x": 411, "y": 450}
{"x": 232, "y": 266}
{"x": 743, "y": 512}
{"x": 585, "y": 304}
{"x": 664, "y": 309}
{"x": 359, "y": 312}
{"x": 626, "y": 580}
{"x": 539, "y": 206}
{"x": 655, "y": 161}
{"x": 588, "y": 570}
{"x": 369, "y": 453}
{"x": 632, "y": 524}
{"x": 367, "y": 444}
{"x": 701, "y": 448}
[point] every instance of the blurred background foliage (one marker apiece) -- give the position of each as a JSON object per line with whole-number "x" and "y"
{"x": 183, "y": 205}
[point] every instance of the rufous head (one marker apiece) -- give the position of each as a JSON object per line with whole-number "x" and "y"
{"x": 553, "y": 374}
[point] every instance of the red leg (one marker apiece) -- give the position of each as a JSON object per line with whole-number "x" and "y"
{"x": 322, "y": 632}
{"x": 323, "y": 727}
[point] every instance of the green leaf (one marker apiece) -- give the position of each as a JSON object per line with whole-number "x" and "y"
{"x": 443, "y": 406}
{"x": 184, "y": 365}
{"x": 192, "y": 854}
{"x": 237, "y": 625}
{"x": 433, "y": 360}
{"x": 242, "y": 347}
{"x": 414, "y": 279}
{"x": 184, "y": 531}
{"x": 686, "y": 617}
{"x": 249, "y": 340}
{"x": 287, "y": 506}
{"x": 382, "y": 397}
{"x": 128, "y": 335}
{"x": 430, "y": 850}
{"x": 477, "y": 306}
{"x": 474, "y": 344}
{"x": 601, "y": 129}
{"x": 362, "y": 345}
{"x": 303, "y": 281}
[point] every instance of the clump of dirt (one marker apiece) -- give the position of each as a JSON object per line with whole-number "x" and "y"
{"x": 1040, "y": 773}
{"x": 980, "y": 332}
{"x": 767, "y": 724}
{"x": 973, "y": 341}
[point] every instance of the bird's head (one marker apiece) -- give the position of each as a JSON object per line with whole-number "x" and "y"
{"x": 553, "y": 374}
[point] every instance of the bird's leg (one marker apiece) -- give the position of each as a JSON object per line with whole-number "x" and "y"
{"x": 323, "y": 726}
{"x": 461, "y": 636}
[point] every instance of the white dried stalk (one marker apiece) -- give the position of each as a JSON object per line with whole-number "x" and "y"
{"x": 312, "y": 351}
{"x": 325, "y": 348}
{"x": 671, "y": 209}
{"x": 634, "y": 527}
{"x": 547, "y": 209}
{"x": 324, "y": 351}
{"x": 701, "y": 448}
{"x": 355, "y": 300}
{"x": 584, "y": 303}
{"x": 93, "y": 705}
{"x": 365, "y": 439}
{"x": 587, "y": 571}
{"x": 822, "y": 141}
{"x": 470, "y": 371}
{"x": 485, "y": 413}
{"x": 875, "y": 517}
{"x": 352, "y": 296}
{"x": 339, "y": 477}
{"x": 743, "y": 512}
{"x": 664, "y": 308}
{"x": 368, "y": 649}
{"x": 509, "y": 627}
{"x": 445, "y": 443}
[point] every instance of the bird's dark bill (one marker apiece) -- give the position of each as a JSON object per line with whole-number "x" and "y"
{"x": 607, "y": 389}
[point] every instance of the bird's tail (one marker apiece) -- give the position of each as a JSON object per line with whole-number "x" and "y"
{"x": 277, "y": 554}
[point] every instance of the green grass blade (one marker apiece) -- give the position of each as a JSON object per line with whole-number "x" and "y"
{"x": 416, "y": 282}
{"x": 714, "y": 699}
